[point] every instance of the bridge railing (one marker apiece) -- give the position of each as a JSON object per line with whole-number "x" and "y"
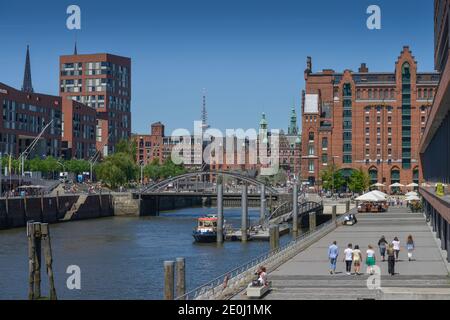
{"x": 234, "y": 281}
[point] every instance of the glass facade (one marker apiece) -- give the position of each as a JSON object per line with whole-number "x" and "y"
{"x": 347, "y": 123}
{"x": 406, "y": 116}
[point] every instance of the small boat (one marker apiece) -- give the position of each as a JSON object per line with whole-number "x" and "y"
{"x": 206, "y": 231}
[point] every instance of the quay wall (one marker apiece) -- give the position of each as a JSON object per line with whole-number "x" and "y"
{"x": 15, "y": 212}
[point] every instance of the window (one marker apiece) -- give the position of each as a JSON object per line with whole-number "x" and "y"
{"x": 390, "y": 152}
{"x": 347, "y": 159}
{"x": 311, "y": 150}
{"x": 367, "y": 130}
{"x": 367, "y": 152}
{"x": 389, "y": 141}
{"x": 311, "y": 136}
{"x": 367, "y": 141}
{"x": 324, "y": 158}
{"x": 367, "y": 120}
{"x": 324, "y": 143}
{"x": 311, "y": 166}
{"x": 389, "y": 120}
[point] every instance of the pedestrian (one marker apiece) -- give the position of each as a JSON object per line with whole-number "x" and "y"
{"x": 370, "y": 260}
{"x": 410, "y": 247}
{"x": 357, "y": 258}
{"x": 333, "y": 253}
{"x": 396, "y": 244}
{"x": 348, "y": 259}
{"x": 382, "y": 243}
{"x": 391, "y": 259}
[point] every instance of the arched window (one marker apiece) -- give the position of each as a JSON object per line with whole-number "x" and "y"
{"x": 373, "y": 174}
{"x": 395, "y": 175}
{"x": 416, "y": 175}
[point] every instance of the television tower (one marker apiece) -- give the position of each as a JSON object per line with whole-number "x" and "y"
{"x": 205, "y": 125}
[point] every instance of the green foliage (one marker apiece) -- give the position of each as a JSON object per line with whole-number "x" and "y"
{"x": 155, "y": 171}
{"x": 279, "y": 178}
{"x": 77, "y": 166}
{"x": 359, "y": 181}
{"x": 332, "y": 178}
{"x": 117, "y": 170}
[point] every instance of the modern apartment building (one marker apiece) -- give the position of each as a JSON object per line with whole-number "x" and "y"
{"x": 79, "y": 123}
{"x": 365, "y": 119}
{"x": 435, "y": 142}
{"x": 101, "y": 81}
{"x": 25, "y": 114}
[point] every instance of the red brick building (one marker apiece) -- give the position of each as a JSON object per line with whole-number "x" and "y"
{"x": 78, "y": 130}
{"x": 101, "y": 81}
{"x": 369, "y": 120}
{"x": 24, "y": 116}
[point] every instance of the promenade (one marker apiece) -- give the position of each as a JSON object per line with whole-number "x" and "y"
{"x": 306, "y": 276}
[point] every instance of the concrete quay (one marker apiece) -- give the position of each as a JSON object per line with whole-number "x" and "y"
{"x": 307, "y": 277}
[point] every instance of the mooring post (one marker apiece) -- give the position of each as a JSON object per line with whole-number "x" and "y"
{"x": 347, "y": 206}
{"x": 181, "y": 277}
{"x": 274, "y": 235}
{"x": 244, "y": 213}
{"x": 262, "y": 212}
{"x": 334, "y": 213}
{"x": 31, "y": 259}
{"x": 219, "y": 213}
{"x": 45, "y": 230}
{"x": 37, "y": 260}
{"x": 312, "y": 221}
{"x": 295, "y": 209}
{"x": 169, "y": 276}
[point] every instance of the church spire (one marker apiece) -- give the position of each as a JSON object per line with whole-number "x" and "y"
{"x": 27, "y": 84}
{"x": 75, "y": 50}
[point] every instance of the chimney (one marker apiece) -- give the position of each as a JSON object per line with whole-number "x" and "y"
{"x": 363, "y": 68}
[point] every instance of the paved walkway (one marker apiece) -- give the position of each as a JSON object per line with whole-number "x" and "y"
{"x": 306, "y": 276}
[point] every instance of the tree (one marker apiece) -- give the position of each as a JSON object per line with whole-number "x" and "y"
{"x": 332, "y": 178}
{"x": 359, "y": 181}
{"x": 117, "y": 169}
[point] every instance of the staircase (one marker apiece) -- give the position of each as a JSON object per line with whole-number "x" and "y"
{"x": 69, "y": 214}
{"x": 343, "y": 287}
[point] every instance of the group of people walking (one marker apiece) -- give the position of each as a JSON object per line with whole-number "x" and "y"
{"x": 353, "y": 255}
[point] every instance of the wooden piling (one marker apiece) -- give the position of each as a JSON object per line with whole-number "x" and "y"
{"x": 274, "y": 234}
{"x": 347, "y": 206}
{"x": 334, "y": 213}
{"x": 312, "y": 221}
{"x": 45, "y": 231}
{"x": 37, "y": 260}
{"x": 31, "y": 259}
{"x": 169, "y": 276}
{"x": 181, "y": 277}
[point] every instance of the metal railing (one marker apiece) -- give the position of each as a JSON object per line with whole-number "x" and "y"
{"x": 231, "y": 283}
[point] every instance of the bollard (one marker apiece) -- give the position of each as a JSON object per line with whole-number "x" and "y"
{"x": 244, "y": 217}
{"x": 274, "y": 233}
{"x": 181, "y": 277}
{"x": 48, "y": 259}
{"x": 312, "y": 221}
{"x": 347, "y": 206}
{"x": 262, "y": 213}
{"x": 295, "y": 209}
{"x": 333, "y": 213}
{"x": 169, "y": 276}
{"x": 31, "y": 259}
{"x": 220, "y": 213}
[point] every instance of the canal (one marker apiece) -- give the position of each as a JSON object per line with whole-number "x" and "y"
{"x": 122, "y": 258}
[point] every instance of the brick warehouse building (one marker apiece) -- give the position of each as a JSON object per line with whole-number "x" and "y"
{"x": 369, "y": 120}
{"x": 101, "y": 81}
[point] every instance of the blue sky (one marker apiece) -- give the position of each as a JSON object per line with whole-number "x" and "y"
{"x": 249, "y": 54}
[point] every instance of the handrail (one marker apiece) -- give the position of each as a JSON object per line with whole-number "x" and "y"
{"x": 232, "y": 282}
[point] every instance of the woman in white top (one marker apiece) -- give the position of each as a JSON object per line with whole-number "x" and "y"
{"x": 396, "y": 244}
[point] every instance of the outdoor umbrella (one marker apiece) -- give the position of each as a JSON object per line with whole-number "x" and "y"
{"x": 412, "y": 185}
{"x": 396, "y": 185}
